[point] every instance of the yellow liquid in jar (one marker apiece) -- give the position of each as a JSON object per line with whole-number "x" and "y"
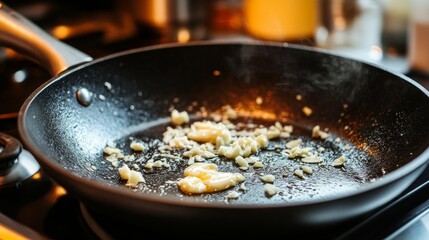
{"x": 281, "y": 20}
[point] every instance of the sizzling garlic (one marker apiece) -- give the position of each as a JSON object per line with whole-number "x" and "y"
{"x": 204, "y": 178}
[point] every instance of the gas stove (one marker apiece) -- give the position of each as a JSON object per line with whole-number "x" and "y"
{"x": 38, "y": 208}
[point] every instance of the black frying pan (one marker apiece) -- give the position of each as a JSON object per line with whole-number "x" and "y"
{"x": 383, "y": 116}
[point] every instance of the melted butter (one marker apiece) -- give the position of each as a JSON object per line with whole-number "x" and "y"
{"x": 204, "y": 178}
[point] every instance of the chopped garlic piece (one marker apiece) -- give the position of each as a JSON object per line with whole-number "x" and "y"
{"x": 299, "y": 173}
{"x": 233, "y": 195}
{"x": 288, "y": 128}
{"x": 307, "y": 111}
{"x": 307, "y": 169}
{"x": 298, "y": 97}
{"x": 339, "y": 161}
{"x": 270, "y": 189}
{"x": 242, "y": 146}
{"x": 205, "y": 174}
{"x": 149, "y": 164}
{"x": 137, "y": 146}
{"x": 132, "y": 176}
{"x": 205, "y": 151}
{"x": 294, "y": 143}
{"x": 134, "y": 179}
{"x": 278, "y": 125}
{"x": 269, "y": 178}
{"x": 317, "y": 133}
{"x": 191, "y": 161}
{"x": 298, "y": 152}
{"x": 179, "y": 118}
{"x": 284, "y": 135}
{"x": 135, "y": 166}
{"x": 252, "y": 159}
{"x": 180, "y": 142}
{"x": 272, "y": 133}
{"x": 112, "y": 158}
{"x": 262, "y": 141}
{"x": 208, "y": 132}
{"x": 312, "y": 159}
{"x": 258, "y": 165}
{"x": 115, "y": 164}
{"x": 157, "y": 164}
{"x": 192, "y": 185}
{"x": 112, "y": 150}
{"x": 229, "y": 112}
{"x": 242, "y": 163}
{"x": 129, "y": 158}
{"x": 124, "y": 172}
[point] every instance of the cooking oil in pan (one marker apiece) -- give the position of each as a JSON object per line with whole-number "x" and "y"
{"x": 271, "y": 174}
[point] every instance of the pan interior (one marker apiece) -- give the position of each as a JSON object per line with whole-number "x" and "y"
{"x": 379, "y": 116}
{"x": 319, "y": 184}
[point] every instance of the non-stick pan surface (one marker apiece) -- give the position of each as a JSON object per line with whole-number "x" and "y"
{"x": 381, "y": 115}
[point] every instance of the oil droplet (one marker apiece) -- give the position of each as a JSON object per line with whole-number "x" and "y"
{"x": 84, "y": 96}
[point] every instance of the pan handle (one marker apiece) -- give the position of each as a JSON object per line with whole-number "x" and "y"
{"x": 25, "y": 37}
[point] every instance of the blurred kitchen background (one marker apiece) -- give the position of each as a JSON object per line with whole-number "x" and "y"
{"x": 393, "y": 33}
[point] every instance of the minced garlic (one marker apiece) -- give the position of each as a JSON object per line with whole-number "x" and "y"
{"x": 271, "y": 190}
{"x": 307, "y": 111}
{"x": 201, "y": 141}
{"x": 137, "y": 146}
{"x": 233, "y": 195}
{"x": 132, "y": 176}
{"x": 269, "y": 178}
{"x": 339, "y": 161}
{"x": 204, "y": 178}
{"x": 178, "y": 118}
{"x": 314, "y": 158}
{"x": 258, "y": 165}
{"x": 242, "y": 163}
{"x": 317, "y": 133}
{"x": 112, "y": 151}
{"x": 307, "y": 169}
{"x": 299, "y": 173}
{"x": 294, "y": 143}
{"x": 298, "y": 151}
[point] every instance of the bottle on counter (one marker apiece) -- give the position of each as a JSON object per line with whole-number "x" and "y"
{"x": 281, "y": 20}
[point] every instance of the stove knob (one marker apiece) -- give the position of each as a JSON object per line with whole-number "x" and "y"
{"x": 9, "y": 156}
{"x": 16, "y": 164}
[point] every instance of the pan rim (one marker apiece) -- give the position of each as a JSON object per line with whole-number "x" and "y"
{"x": 52, "y": 165}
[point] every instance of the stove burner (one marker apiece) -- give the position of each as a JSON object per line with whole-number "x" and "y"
{"x": 105, "y": 226}
{"x": 16, "y": 164}
{"x": 93, "y": 224}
